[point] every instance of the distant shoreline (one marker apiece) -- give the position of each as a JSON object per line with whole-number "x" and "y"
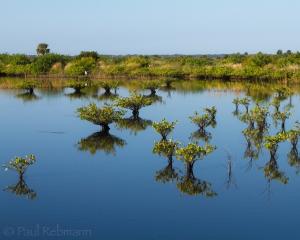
{"x": 234, "y": 67}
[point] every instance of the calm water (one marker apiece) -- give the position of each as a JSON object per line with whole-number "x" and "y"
{"x": 108, "y": 186}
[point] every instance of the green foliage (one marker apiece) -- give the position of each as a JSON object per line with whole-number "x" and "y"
{"x": 167, "y": 148}
{"x": 77, "y": 84}
{"x": 282, "y": 116}
{"x": 20, "y": 164}
{"x": 42, "y": 64}
{"x": 28, "y": 84}
{"x": 259, "y": 66}
{"x": 107, "y": 85}
{"x": 271, "y": 142}
{"x": 42, "y": 49}
{"x": 202, "y": 121}
{"x": 293, "y": 135}
{"x": 134, "y": 102}
{"x": 100, "y": 116}
{"x": 78, "y": 67}
{"x": 89, "y": 54}
{"x": 260, "y": 60}
{"x": 236, "y": 101}
{"x": 164, "y": 128}
{"x": 193, "y": 152}
{"x": 276, "y": 103}
{"x": 151, "y": 85}
{"x": 282, "y": 92}
{"x": 211, "y": 112}
{"x": 259, "y": 115}
{"x": 246, "y": 102}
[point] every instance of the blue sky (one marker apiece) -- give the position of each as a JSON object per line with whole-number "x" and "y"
{"x": 150, "y": 26}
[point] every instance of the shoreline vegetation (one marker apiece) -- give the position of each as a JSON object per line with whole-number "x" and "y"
{"x": 281, "y": 66}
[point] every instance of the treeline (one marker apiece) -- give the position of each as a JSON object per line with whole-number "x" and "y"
{"x": 279, "y": 66}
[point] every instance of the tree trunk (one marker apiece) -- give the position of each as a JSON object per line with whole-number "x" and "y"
{"x": 189, "y": 170}
{"x": 135, "y": 113}
{"x": 105, "y": 128}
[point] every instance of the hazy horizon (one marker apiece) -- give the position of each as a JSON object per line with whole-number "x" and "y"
{"x": 150, "y": 27}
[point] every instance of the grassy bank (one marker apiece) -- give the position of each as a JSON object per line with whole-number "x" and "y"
{"x": 259, "y": 67}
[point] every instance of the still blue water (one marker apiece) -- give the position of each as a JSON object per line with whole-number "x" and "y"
{"x": 113, "y": 193}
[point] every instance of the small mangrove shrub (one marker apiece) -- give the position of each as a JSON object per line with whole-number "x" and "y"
{"x": 134, "y": 103}
{"x": 20, "y": 164}
{"x": 164, "y": 128}
{"x": 100, "y": 116}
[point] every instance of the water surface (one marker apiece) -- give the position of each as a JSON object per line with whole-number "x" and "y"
{"x": 110, "y": 185}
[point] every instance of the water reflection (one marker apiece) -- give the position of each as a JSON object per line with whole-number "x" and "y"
{"x": 101, "y": 141}
{"x": 108, "y": 96}
{"x": 21, "y": 189}
{"x": 190, "y": 185}
{"x": 134, "y": 124}
{"x": 272, "y": 172}
{"x": 294, "y": 159}
{"x": 201, "y": 135}
{"x": 87, "y": 92}
{"x": 27, "y": 96}
{"x": 167, "y": 174}
{"x": 230, "y": 179}
{"x": 167, "y": 149}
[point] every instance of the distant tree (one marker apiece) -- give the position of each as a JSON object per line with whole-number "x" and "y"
{"x": 288, "y": 52}
{"x": 279, "y": 52}
{"x": 80, "y": 67}
{"x": 44, "y": 63}
{"x": 42, "y": 49}
{"x": 91, "y": 54}
{"x": 260, "y": 59}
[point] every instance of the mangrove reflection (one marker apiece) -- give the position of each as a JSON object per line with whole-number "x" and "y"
{"x": 101, "y": 141}
{"x": 154, "y": 98}
{"x": 88, "y": 92}
{"x": 21, "y": 189}
{"x": 134, "y": 124}
{"x": 191, "y": 185}
{"x": 188, "y": 183}
{"x": 108, "y": 96}
{"x": 201, "y": 135}
{"x": 271, "y": 169}
{"x": 27, "y": 97}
